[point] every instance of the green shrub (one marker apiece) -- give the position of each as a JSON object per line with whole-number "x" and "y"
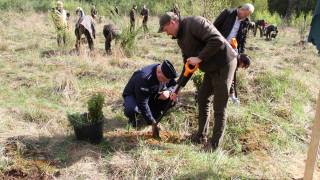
{"x": 78, "y": 120}
{"x": 95, "y": 105}
{"x": 197, "y": 79}
{"x": 266, "y": 15}
{"x": 94, "y": 115}
{"x": 128, "y": 40}
{"x": 301, "y": 23}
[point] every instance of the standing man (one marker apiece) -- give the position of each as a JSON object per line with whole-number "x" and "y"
{"x": 148, "y": 92}
{"x": 133, "y": 18}
{"x": 145, "y": 14}
{"x": 201, "y": 43}
{"x": 234, "y": 23}
{"x": 60, "y": 20}
{"x": 116, "y": 10}
{"x": 243, "y": 61}
{"x": 94, "y": 12}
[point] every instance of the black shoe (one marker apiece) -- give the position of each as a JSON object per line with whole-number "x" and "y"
{"x": 132, "y": 123}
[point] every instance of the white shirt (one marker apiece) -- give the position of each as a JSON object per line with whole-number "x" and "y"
{"x": 234, "y": 30}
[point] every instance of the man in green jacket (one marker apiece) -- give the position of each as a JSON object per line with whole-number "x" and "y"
{"x": 201, "y": 43}
{"x": 59, "y": 17}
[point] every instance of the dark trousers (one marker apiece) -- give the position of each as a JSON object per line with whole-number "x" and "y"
{"x": 82, "y": 30}
{"x": 132, "y": 26}
{"x": 108, "y": 41}
{"x": 61, "y": 37}
{"x": 216, "y": 84}
{"x": 156, "y": 106}
{"x": 145, "y": 26}
{"x": 261, "y": 29}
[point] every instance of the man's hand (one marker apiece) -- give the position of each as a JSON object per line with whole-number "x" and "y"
{"x": 164, "y": 95}
{"x": 173, "y": 97}
{"x": 234, "y": 99}
{"x": 194, "y": 60}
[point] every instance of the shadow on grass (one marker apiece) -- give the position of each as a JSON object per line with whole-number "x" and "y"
{"x": 210, "y": 175}
{"x": 64, "y": 151}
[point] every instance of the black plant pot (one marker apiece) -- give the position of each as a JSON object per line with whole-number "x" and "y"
{"x": 92, "y": 132}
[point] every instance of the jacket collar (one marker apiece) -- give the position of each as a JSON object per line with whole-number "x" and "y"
{"x": 180, "y": 30}
{"x": 152, "y": 77}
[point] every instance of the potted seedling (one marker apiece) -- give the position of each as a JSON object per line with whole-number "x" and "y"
{"x": 89, "y": 126}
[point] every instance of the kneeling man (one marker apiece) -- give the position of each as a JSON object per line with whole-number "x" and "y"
{"x": 149, "y": 91}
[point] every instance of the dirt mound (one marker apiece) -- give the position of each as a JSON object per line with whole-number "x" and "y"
{"x": 131, "y": 138}
{"x": 254, "y": 140}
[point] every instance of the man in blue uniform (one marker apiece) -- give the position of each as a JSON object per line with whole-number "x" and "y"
{"x": 149, "y": 91}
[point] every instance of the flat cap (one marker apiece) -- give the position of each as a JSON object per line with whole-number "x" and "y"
{"x": 168, "y": 70}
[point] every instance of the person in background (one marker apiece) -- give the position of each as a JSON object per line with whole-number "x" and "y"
{"x": 110, "y": 33}
{"x": 145, "y": 14}
{"x": 133, "y": 12}
{"x": 261, "y": 25}
{"x": 116, "y": 10}
{"x": 243, "y": 61}
{"x": 234, "y": 23}
{"x": 86, "y": 26}
{"x": 314, "y": 35}
{"x": 60, "y": 20}
{"x": 94, "y": 12}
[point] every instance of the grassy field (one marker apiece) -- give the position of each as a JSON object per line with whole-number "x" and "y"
{"x": 266, "y": 137}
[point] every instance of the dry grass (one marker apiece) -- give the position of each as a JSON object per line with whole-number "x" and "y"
{"x": 40, "y": 84}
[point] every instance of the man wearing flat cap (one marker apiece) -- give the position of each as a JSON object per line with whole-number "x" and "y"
{"x": 201, "y": 43}
{"x": 148, "y": 92}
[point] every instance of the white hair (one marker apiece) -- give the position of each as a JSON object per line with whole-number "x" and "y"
{"x": 80, "y": 10}
{"x": 248, "y": 7}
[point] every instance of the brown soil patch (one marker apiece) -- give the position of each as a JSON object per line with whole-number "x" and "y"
{"x": 131, "y": 138}
{"x": 254, "y": 139}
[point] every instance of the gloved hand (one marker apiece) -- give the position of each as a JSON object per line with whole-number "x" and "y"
{"x": 235, "y": 100}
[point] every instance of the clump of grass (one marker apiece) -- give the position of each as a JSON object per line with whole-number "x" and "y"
{"x": 4, "y": 161}
{"x": 3, "y": 47}
{"x": 66, "y": 85}
{"x": 35, "y": 116}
